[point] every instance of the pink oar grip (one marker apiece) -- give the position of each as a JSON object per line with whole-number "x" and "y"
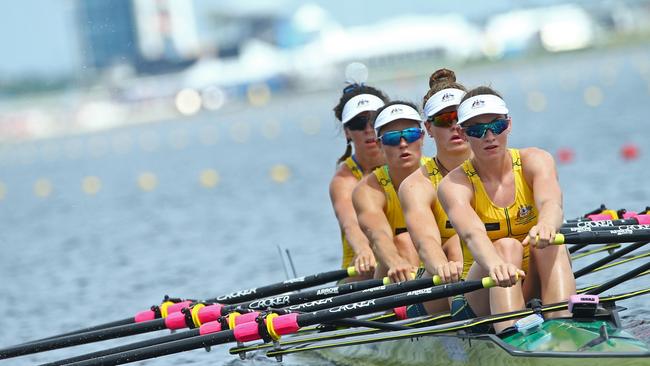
{"x": 401, "y": 313}
{"x": 286, "y": 324}
{"x": 211, "y": 327}
{"x": 643, "y": 219}
{"x": 210, "y": 313}
{"x": 175, "y": 321}
{"x": 599, "y": 217}
{"x": 246, "y": 318}
{"x": 247, "y": 332}
{"x": 629, "y": 214}
{"x": 178, "y": 307}
{"x": 144, "y": 316}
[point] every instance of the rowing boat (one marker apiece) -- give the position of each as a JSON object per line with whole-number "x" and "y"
{"x": 581, "y": 340}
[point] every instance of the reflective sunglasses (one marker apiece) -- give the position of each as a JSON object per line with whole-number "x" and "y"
{"x": 358, "y": 123}
{"x": 479, "y": 130}
{"x": 393, "y": 138}
{"x": 446, "y": 119}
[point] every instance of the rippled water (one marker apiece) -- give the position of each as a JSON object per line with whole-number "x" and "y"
{"x": 71, "y": 259}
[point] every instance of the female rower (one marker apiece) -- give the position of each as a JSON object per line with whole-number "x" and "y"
{"x": 435, "y": 239}
{"x": 355, "y": 110}
{"x": 375, "y": 198}
{"x": 506, "y": 205}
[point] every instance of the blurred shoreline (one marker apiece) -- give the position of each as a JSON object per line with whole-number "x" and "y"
{"x": 87, "y": 111}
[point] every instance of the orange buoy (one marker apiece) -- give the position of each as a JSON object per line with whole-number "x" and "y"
{"x": 565, "y": 155}
{"x": 629, "y": 151}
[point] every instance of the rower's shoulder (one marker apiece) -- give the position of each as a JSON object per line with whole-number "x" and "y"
{"x": 529, "y": 153}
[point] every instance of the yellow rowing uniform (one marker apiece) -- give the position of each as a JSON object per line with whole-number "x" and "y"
{"x": 393, "y": 208}
{"x": 444, "y": 226}
{"x": 514, "y": 221}
{"x": 348, "y": 252}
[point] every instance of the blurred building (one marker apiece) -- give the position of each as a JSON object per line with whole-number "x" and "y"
{"x": 146, "y": 36}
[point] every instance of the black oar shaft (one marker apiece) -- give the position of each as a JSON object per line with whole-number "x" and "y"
{"x": 567, "y": 230}
{"x": 127, "y": 347}
{"x": 304, "y": 296}
{"x": 83, "y": 338}
{"x": 620, "y": 279}
{"x": 604, "y": 236}
{"x": 280, "y": 287}
{"x": 619, "y": 253}
{"x": 161, "y": 349}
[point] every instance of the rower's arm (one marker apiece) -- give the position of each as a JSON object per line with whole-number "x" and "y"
{"x": 541, "y": 175}
{"x": 540, "y": 167}
{"x": 341, "y": 188}
{"x": 369, "y": 201}
{"x": 417, "y": 196}
{"x": 455, "y": 194}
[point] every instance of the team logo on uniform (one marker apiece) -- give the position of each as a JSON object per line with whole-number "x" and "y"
{"x": 447, "y": 97}
{"x": 478, "y": 103}
{"x": 525, "y": 214}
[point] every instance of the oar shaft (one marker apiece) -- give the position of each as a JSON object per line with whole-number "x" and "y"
{"x": 579, "y": 229}
{"x": 619, "y": 253}
{"x": 127, "y": 347}
{"x": 620, "y": 279}
{"x": 303, "y": 296}
{"x": 601, "y": 237}
{"x": 389, "y": 302}
{"x": 161, "y": 349}
{"x": 83, "y": 338}
{"x": 284, "y": 286}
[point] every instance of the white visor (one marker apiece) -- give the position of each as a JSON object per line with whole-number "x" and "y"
{"x": 360, "y": 103}
{"x": 441, "y": 100}
{"x": 481, "y": 104}
{"x": 395, "y": 112}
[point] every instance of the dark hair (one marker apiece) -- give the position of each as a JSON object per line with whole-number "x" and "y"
{"x": 439, "y": 80}
{"x": 349, "y": 92}
{"x": 480, "y": 90}
{"x": 412, "y": 105}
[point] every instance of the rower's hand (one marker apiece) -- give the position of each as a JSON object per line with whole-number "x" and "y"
{"x": 506, "y": 274}
{"x": 449, "y": 272}
{"x": 540, "y": 236}
{"x": 401, "y": 271}
{"x": 364, "y": 262}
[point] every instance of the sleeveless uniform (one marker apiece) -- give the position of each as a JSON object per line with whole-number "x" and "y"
{"x": 393, "y": 209}
{"x": 514, "y": 221}
{"x": 348, "y": 252}
{"x": 444, "y": 226}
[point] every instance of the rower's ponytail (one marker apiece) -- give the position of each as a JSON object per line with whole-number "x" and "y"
{"x": 347, "y": 153}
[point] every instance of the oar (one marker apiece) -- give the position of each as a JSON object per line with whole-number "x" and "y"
{"x": 142, "y": 322}
{"x": 619, "y": 253}
{"x": 574, "y": 229}
{"x": 607, "y": 247}
{"x": 272, "y": 326}
{"x": 212, "y": 313}
{"x": 604, "y": 236}
{"x": 635, "y": 220}
{"x": 200, "y": 314}
{"x": 620, "y": 279}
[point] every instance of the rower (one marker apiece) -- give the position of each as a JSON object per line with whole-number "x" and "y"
{"x": 436, "y": 241}
{"x": 355, "y": 110}
{"x": 375, "y": 198}
{"x": 506, "y": 205}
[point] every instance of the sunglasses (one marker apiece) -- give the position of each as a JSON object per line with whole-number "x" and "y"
{"x": 393, "y": 138}
{"x": 446, "y": 119}
{"x": 479, "y": 130}
{"x": 358, "y": 123}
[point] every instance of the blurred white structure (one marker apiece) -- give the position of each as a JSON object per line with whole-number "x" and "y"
{"x": 558, "y": 28}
